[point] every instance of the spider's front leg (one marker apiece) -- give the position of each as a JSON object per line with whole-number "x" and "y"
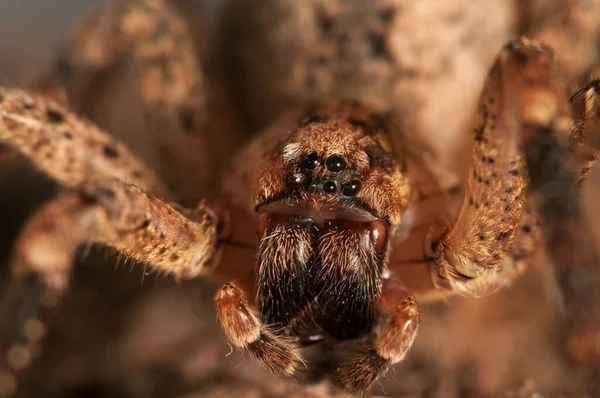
{"x": 523, "y": 88}
{"x": 524, "y": 110}
{"x": 523, "y": 101}
{"x": 107, "y": 201}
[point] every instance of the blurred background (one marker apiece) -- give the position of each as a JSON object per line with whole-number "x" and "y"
{"x": 32, "y": 31}
{"x": 122, "y": 334}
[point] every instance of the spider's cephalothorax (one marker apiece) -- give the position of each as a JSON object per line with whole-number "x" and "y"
{"x": 325, "y": 204}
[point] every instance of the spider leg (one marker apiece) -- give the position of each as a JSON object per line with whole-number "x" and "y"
{"x": 469, "y": 257}
{"x": 524, "y": 87}
{"x": 394, "y": 339}
{"x": 67, "y": 149}
{"x": 585, "y": 135}
{"x": 183, "y": 243}
{"x": 566, "y": 232}
{"x": 136, "y": 69}
{"x": 584, "y": 143}
{"x": 532, "y": 93}
{"x": 245, "y": 330}
{"x": 108, "y": 202}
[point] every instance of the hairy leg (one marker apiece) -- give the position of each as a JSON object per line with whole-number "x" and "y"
{"x": 245, "y": 330}
{"x": 69, "y": 150}
{"x": 183, "y": 243}
{"x": 397, "y": 333}
{"x": 532, "y": 92}
{"x": 525, "y": 84}
{"x": 584, "y": 138}
{"x": 469, "y": 257}
{"x": 109, "y": 203}
{"x": 583, "y": 144}
{"x": 139, "y": 69}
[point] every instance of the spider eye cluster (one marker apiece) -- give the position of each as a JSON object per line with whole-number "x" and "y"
{"x": 351, "y": 188}
{"x": 333, "y": 183}
{"x": 335, "y": 163}
{"x": 310, "y": 161}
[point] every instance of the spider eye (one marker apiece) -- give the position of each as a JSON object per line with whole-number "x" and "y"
{"x": 310, "y": 161}
{"x": 351, "y": 188}
{"x": 293, "y": 182}
{"x": 335, "y": 163}
{"x": 329, "y": 187}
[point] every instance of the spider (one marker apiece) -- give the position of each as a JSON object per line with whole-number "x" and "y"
{"x": 332, "y": 224}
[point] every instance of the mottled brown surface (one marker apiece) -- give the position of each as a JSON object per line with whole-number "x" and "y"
{"x": 394, "y": 55}
{"x": 117, "y": 337}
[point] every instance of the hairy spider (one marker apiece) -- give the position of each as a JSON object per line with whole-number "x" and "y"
{"x": 331, "y": 225}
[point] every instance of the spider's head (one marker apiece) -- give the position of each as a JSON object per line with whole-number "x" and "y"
{"x": 337, "y": 159}
{"x": 325, "y": 199}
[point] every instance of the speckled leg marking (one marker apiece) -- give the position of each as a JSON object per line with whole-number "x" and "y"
{"x": 64, "y": 147}
{"x": 393, "y": 342}
{"x": 181, "y": 104}
{"x": 245, "y": 330}
{"x": 109, "y": 204}
{"x": 523, "y": 85}
{"x": 137, "y": 224}
{"x": 469, "y": 256}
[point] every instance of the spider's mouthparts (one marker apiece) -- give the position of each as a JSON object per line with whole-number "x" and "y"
{"x": 337, "y": 265}
{"x": 320, "y": 212}
{"x": 378, "y": 229}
